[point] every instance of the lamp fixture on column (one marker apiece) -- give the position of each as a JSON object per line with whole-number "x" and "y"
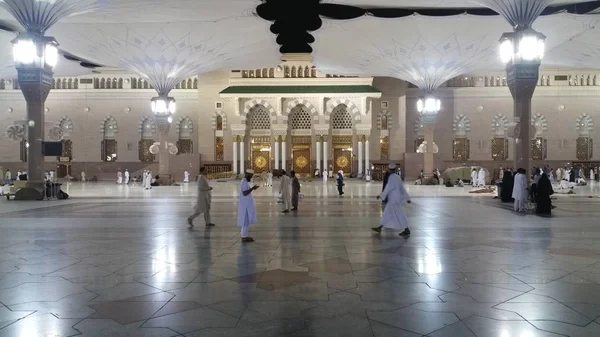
{"x": 522, "y": 46}
{"x": 429, "y": 106}
{"x": 164, "y": 106}
{"x": 34, "y": 51}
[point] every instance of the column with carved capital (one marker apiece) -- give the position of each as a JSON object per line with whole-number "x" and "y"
{"x": 276, "y": 151}
{"x": 242, "y": 159}
{"x": 318, "y": 146}
{"x": 325, "y": 153}
{"x": 164, "y": 171}
{"x": 235, "y": 155}
{"x": 367, "y": 153}
{"x": 360, "y": 156}
{"x": 283, "y": 155}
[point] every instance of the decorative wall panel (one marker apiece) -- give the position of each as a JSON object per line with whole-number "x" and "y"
{"x": 144, "y": 151}
{"x": 385, "y": 148}
{"x": 219, "y": 149}
{"x": 499, "y": 149}
{"x": 67, "y": 150}
{"x": 585, "y": 148}
{"x": 109, "y": 150}
{"x": 260, "y": 159}
{"x": 538, "y": 148}
{"x": 342, "y": 160}
{"x": 460, "y": 149}
{"x": 185, "y": 146}
{"x": 301, "y": 160}
{"x": 23, "y": 151}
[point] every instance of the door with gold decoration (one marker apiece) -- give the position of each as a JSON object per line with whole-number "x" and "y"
{"x": 301, "y": 161}
{"x": 260, "y": 160}
{"x": 342, "y": 160}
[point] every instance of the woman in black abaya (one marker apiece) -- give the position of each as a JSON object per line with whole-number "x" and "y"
{"x": 507, "y": 187}
{"x": 542, "y": 197}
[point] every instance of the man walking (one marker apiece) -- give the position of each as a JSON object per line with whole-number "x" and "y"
{"x": 203, "y": 200}
{"x": 394, "y": 195}
{"x": 284, "y": 190}
{"x": 295, "y": 191}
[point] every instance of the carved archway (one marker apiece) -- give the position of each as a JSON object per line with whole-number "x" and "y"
{"x": 350, "y": 106}
{"x": 259, "y": 102}
{"x": 384, "y": 120}
{"x": 461, "y": 125}
{"x": 293, "y": 104}
{"x": 540, "y": 122}
{"x": 215, "y": 124}
{"x": 499, "y": 125}
{"x": 584, "y": 124}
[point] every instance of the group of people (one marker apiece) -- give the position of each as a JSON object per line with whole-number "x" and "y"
{"x": 392, "y": 197}
{"x": 8, "y": 177}
{"x": 478, "y": 178}
{"x": 120, "y": 177}
{"x": 517, "y": 187}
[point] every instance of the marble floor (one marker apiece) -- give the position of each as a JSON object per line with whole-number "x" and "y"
{"x": 121, "y": 261}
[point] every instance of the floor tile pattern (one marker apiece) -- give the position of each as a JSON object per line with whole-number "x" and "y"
{"x": 120, "y": 261}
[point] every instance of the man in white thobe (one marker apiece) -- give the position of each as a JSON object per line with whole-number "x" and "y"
{"x": 394, "y": 194}
{"x": 203, "y": 200}
{"x": 119, "y": 177}
{"x": 474, "y": 178}
{"x": 126, "y": 177}
{"x": 8, "y": 177}
{"x": 19, "y": 173}
{"x": 144, "y": 178}
{"x": 148, "y": 182}
{"x": 246, "y": 207}
{"x": 481, "y": 178}
{"x": 82, "y": 176}
{"x": 325, "y": 176}
{"x": 186, "y": 176}
{"x": 520, "y": 190}
{"x": 285, "y": 191}
{"x": 269, "y": 178}
{"x": 592, "y": 176}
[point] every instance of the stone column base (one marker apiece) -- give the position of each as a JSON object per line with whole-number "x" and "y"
{"x": 164, "y": 179}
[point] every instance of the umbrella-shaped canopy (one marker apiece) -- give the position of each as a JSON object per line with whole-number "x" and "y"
{"x": 427, "y": 51}
{"x": 165, "y": 54}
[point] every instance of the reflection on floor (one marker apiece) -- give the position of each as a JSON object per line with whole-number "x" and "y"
{"x": 120, "y": 261}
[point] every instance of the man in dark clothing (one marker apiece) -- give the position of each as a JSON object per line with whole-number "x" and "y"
{"x": 295, "y": 191}
{"x": 507, "y": 187}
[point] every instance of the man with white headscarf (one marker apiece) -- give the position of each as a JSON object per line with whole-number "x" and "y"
{"x": 520, "y": 192}
{"x": 474, "y": 178}
{"x": 285, "y": 191}
{"x": 394, "y": 195}
{"x": 246, "y": 207}
{"x": 481, "y": 178}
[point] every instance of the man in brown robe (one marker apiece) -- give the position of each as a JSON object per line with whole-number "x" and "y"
{"x": 203, "y": 201}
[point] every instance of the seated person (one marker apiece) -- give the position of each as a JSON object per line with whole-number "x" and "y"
{"x": 154, "y": 181}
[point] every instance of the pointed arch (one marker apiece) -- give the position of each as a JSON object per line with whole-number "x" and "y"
{"x": 499, "y": 125}
{"x": 109, "y": 126}
{"x": 147, "y": 127}
{"x": 584, "y": 125}
{"x": 255, "y": 102}
{"x": 292, "y": 104}
{"x": 540, "y": 122}
{"x": 223, "y": 115}
{"x": 66, "y": 125}
{"x": 184, "y": 127}
{"x": 352, "y": 108}
{"x": 419, "y": 127}
{"x": 384, "y": 120}
{"x": 461, "y": 125}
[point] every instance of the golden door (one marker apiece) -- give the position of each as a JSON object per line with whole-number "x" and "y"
{"x": 301, "y": 161}
{"x": 342, "y": 160}
{"x": 260, "y": 161}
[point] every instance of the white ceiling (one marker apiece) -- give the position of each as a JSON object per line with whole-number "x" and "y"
{"x": 167, "y": 41}
{"x": 427, "y": 3}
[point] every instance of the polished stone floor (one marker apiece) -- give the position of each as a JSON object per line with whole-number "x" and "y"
{"x": 120, "y": 261}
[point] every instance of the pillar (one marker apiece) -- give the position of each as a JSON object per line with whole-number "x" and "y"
{"x": 242, "y": 159}
{"x": 276, "y": 151}
{"x": 35, "y": 85}
{"x": 522, "y": 80}
{"x": 360, "y": 156}
{"x": 235, "y": 155}
{"x": 367, "y": 153}
{"x": 164, "y": 170}
{"x": 428, "y": 128}
{"x": 318, "y": 146}
{"x": 325, "y": 153}
{"x": 283, "y": 156}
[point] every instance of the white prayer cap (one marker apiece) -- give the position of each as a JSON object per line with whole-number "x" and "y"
{"x": 250, "y": 171}
{"x": 392, "y": 166}
{"x": 340, "y": 171}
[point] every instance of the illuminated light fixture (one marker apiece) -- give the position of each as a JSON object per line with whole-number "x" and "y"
{"x": 524, "y": 45}
{"x": 35, "y": 51}
{"x": 429, "y": 105}
{"x": 163, "y": 105}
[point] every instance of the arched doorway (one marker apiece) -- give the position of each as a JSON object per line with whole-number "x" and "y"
{"x": 109, "y": 142}
{"x": 259, "y": 123}
{"x": 300, "y": 124}
{"x": 148, "y": 129}
{"x": 342, "y": 125}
